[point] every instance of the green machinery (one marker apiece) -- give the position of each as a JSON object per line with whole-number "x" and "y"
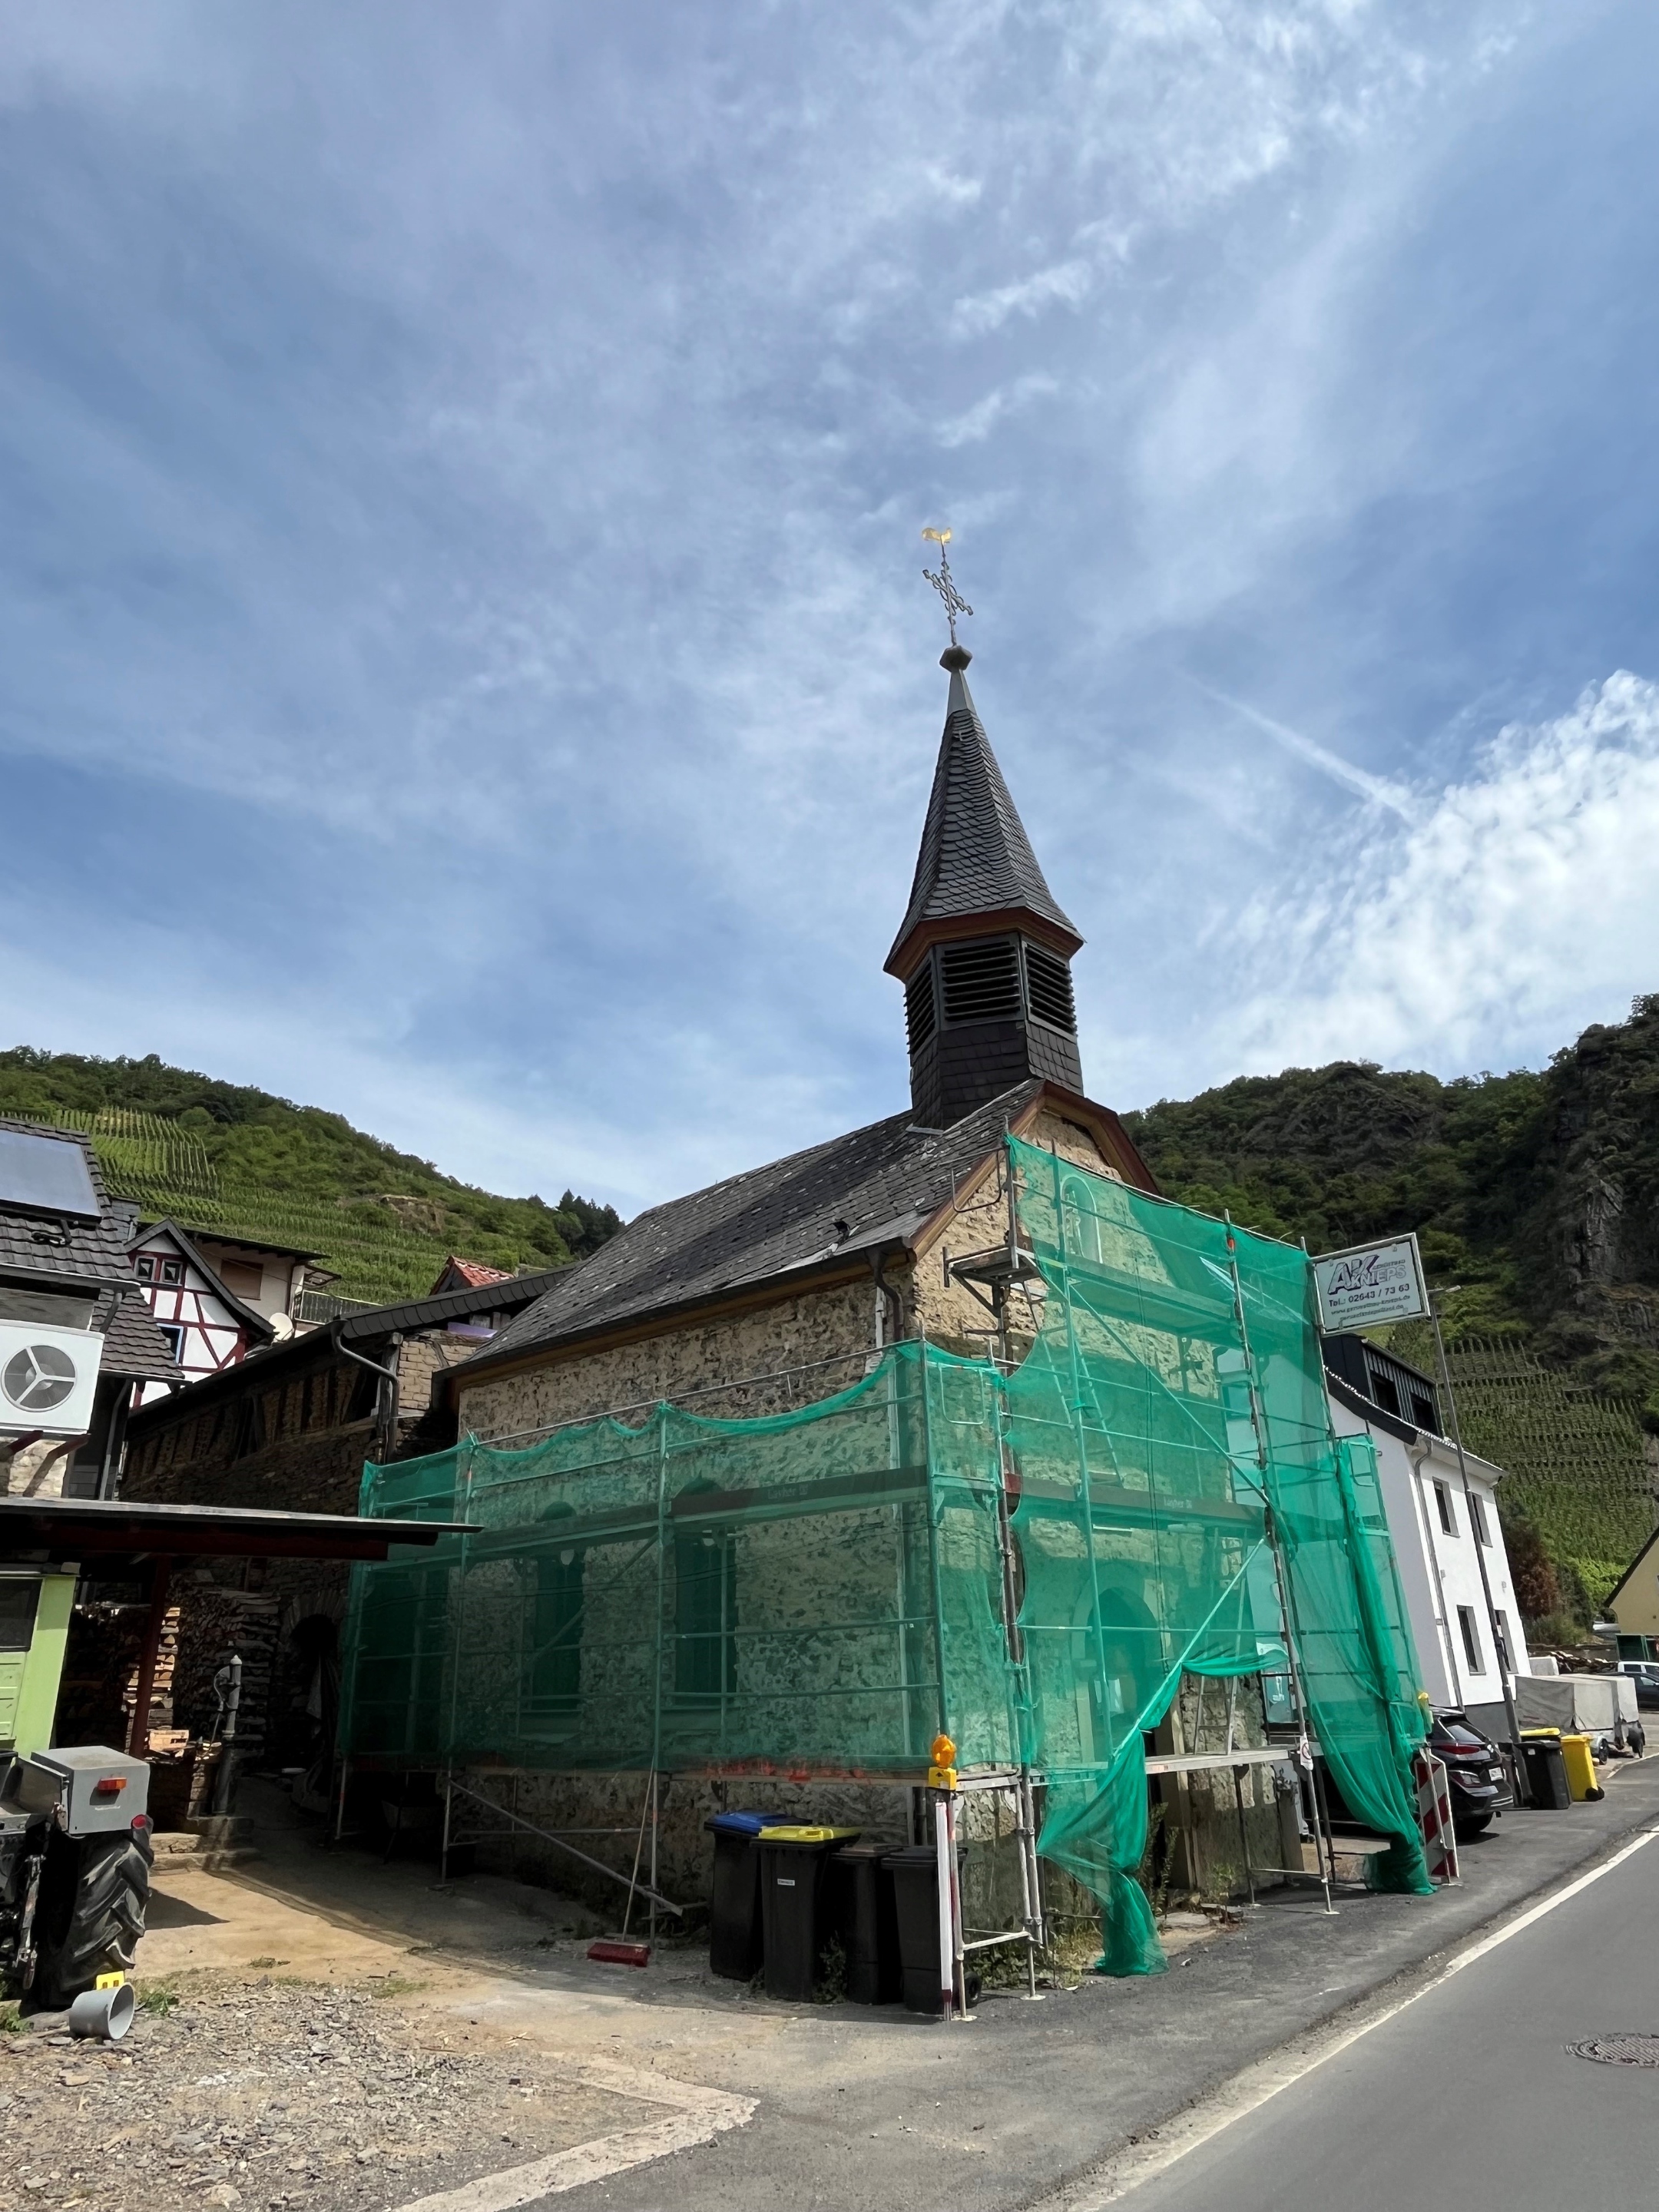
{"x": 75, "y": 1831}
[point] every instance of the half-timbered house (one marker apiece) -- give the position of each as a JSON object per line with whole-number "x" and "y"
{"x": 207, "y": 1324}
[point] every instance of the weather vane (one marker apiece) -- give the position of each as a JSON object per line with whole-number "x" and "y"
{"x": 944, "y": 584}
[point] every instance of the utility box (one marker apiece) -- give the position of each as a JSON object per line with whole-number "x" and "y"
{"x": 101, "y": 1791}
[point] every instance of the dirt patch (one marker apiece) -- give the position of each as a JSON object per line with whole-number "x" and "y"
{"x": 264, "y": 2095}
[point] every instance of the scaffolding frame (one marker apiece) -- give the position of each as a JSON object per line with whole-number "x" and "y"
{"x": 996, "y": 1276}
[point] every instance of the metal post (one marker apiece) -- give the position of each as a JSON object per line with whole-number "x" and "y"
{"x": 1324, "y": 1850}
{"x": 449, "y": 1786}
{"x": 1238, "y": 1788}
{"x": 933, "y": 1531}
{"x": 653, "y": 1854}
{"x": 1028, "y": 1825}
{"x": 947, "y": 1930}
{"x": 1286, "y": 1601}
{"x": 958, "y": 1953}
{"x": 1500, "y": 1643}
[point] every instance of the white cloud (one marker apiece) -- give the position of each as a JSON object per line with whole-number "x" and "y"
{"x": 976, "y": 423}
{"x": 1521, "y": 902}
{"x": 982, "y": 311}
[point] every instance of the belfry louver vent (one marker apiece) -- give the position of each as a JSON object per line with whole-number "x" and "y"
{"x": 920, "y": 1007}
{"x": 982, "y": 981}
{"x": 1048, "y": 985}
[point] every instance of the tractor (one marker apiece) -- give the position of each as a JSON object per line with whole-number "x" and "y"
{"x": 76, "y": 1850}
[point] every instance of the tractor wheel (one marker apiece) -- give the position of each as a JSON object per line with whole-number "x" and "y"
{"x": 93, "y": 1890}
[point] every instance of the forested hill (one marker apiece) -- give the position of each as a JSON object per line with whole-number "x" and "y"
{"x": 1537, "y": 1195}
{"x": 225, "y": 1156}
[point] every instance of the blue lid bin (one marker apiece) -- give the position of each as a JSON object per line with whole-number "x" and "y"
{"x": 734, "y": 1918}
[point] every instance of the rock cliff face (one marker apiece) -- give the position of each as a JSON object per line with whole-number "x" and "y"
{"x": 1590, "y": 1244}
{"x": 1537, "y": 1192}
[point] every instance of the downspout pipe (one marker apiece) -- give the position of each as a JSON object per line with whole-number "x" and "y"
{"x": 388, "y": 1421}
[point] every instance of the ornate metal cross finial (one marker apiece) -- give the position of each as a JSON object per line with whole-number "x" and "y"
{"x": 944, "y": 584}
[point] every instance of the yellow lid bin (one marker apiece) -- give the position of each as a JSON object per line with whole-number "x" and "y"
{"x": 1581, "y": 1768}
{"x": 786, "y": 1835}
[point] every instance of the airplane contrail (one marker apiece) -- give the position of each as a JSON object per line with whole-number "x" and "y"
{"x": 1375, "y": 788}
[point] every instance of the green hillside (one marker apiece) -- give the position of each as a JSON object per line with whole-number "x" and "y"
{"x": 1537, "y": 1196}
{"x": 224, "y": 1157}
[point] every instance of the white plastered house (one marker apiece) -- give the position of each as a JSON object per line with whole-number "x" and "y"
{"x": 1441, "y": 1532}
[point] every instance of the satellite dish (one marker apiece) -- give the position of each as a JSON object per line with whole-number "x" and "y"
{"x": 282, "y": 1326}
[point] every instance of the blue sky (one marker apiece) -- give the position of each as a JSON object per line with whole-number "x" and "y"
{"x": 466, "y": 662}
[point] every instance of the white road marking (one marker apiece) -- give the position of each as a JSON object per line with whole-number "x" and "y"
{"x": 1256, "y": 2085}
{"x": 698, "y": 2116}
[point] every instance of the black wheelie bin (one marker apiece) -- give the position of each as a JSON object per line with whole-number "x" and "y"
{"x": 734, "y": 1912}
{"x": 793, "y": 1865}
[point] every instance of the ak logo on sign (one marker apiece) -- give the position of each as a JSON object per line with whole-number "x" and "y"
{"x": 38, "y": 1378}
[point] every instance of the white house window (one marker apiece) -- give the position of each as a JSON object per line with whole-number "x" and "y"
{"x": 144, "y": 1267}
{"x": 1442, "y": 1499}
{"x": 175, "y": 1337}
{"x": 173, "y": 1271}
{"x": 1478, "y": 1514}
{"x": 1465, "y": 1621}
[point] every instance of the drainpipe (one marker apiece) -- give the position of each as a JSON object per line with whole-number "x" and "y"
{"x": 889, "y": 1318}
{"x": 386, "y": 1416}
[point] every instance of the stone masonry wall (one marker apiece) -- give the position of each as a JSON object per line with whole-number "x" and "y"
{"x": 795, "y": 1333}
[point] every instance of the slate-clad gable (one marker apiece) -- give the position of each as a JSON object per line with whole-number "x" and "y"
{"x": 975, "y": 857}
{"x": 984, "y": 949}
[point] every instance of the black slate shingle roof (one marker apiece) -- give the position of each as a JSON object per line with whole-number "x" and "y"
{"x": 90, "y": 1253}
{"x": 134, "y": 1345}
{"x": 975, "y": 857}
{"x": 95, "y": 1251}
{"x": 882, "y": 1182}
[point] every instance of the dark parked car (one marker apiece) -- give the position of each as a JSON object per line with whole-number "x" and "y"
{"x": 1644, "y": 1673}
{"x": 1475, "y": 1774}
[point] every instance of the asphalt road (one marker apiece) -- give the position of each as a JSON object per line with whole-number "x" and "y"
{"x": 1469, "y": 2094}
{"x": 1031, "y": 2105}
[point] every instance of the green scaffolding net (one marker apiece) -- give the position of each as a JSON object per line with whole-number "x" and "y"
{"x": 809, "y": 1593}
{"x": 1028, "y": 1557}
{"x": 1179, "y": 1497}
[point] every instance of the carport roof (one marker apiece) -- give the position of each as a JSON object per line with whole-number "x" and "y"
{"x": 65, "y": 1528}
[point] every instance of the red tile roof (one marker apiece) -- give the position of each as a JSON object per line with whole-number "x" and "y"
{"x": 468, "y": 1274}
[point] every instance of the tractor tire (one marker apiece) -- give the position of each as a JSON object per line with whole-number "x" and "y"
{"x": 94, "y": 1893}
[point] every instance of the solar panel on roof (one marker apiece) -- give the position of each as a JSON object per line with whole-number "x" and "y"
{"x": 46, "y": 1175}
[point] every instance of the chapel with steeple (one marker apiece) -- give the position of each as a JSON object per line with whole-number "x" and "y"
{"x": 805, "y": 1266}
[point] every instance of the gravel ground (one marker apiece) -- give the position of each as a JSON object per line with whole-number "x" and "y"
{"x": 264, "y": 2095}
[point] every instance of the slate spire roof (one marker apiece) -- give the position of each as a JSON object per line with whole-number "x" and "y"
{"x": 975, "y": 857}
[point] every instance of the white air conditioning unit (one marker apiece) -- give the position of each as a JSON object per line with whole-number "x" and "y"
{"x": 48, "y": 1377}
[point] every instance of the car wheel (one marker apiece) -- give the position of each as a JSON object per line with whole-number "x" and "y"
{"x": 1476, "y": 1825}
